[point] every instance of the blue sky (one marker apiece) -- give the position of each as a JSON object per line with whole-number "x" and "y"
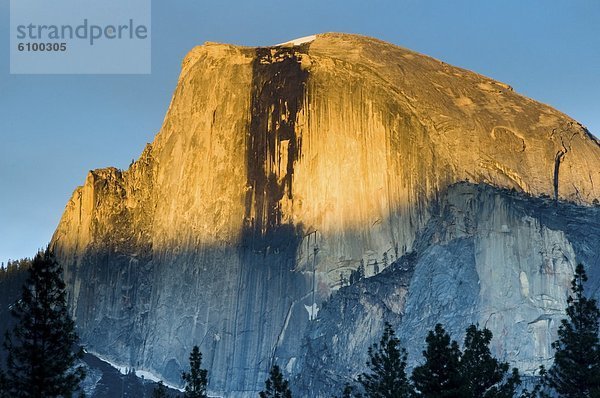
{"x": 53, "y": 129}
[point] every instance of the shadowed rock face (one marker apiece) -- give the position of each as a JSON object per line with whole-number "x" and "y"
{"x": 488, "y": 256}
{"x": 277, "y": 169}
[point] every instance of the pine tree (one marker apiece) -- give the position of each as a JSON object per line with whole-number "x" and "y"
{"x": 276, "y": 386}
{"x": 484, "y": 375}
{"x": 539, "y": 388}
{"x": 197, "y": 379}
{"x": 3, "y": 385}
{"x": 360, "y": 271}
{"x": 576, "y": 368}
{"x": 348, "y": 391}
{"x": 343, "y": 280}
{"x": 159, "y": 391}
{"x": 387, "y": 362}
{"x": 439, "y": 376}
{"x": 358, "y": 274}
{"x": 41, "y": 361}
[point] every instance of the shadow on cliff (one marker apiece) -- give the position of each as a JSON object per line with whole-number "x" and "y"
{"x": 438, "y": 281}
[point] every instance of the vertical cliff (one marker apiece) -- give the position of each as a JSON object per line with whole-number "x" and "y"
{"x": 487, "y": 256}
{"x": 277, "y": 169}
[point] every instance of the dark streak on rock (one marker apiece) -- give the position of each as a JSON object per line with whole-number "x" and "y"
{"x": 268, "y": 243}
{"x": 278, "y": 89}
{"x": 557, "y": 160}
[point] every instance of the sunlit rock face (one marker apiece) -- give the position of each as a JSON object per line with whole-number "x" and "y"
{"x": 277, "y": 169}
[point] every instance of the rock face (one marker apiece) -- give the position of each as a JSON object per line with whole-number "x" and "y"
{"x": 277, "y": 169}
{"x": 488, "y": 256}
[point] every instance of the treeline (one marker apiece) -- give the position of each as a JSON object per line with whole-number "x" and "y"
{"x": 42, "y": 362}
{"x": 447, "y": 371}
{"x": 13, "y": 266}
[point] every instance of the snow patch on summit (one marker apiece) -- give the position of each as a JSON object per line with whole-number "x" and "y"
{"x": 298, "y": 41}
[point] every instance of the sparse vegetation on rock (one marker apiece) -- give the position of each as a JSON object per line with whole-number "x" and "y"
{"x": 276, "y": 386}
